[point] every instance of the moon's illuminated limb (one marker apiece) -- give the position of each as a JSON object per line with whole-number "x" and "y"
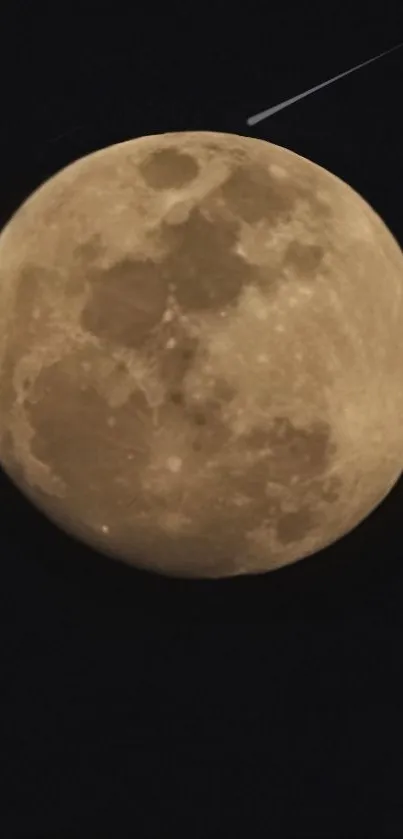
{"x": 200, "y": 370}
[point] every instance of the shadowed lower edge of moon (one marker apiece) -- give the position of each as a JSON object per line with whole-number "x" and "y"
{"x": 74, "y": 445}
{"x": 180, "y": 570}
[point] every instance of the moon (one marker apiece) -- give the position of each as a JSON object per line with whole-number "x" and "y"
{"x": 201, "y": 356}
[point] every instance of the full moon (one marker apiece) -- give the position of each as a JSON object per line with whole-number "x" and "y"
{"x": 201, "y": 355}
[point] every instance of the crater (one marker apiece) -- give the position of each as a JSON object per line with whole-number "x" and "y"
{"x": 210, "y": 432}
{"x": 169, "y": 168}
{"x": 125, "y": 302}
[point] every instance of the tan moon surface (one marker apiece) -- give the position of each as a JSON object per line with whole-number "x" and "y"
{"x": 201, "y": 355}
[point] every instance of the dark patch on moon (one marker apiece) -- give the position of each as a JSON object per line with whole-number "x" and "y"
{"x": 328, "y": 489}
{"x": 292, "y": 527}
{"x": 200, "y": 418}
{"x": 208, "y": 417}
{"x": 243, "y": 501}
{"x": 223, "y": 391}
{"x": 89, "y": 251}
{"x": 331, "y": 489}
{"x": 305, "y": 259}
{"x": 287, "y": 450}
{"x": 281, "y": 478}
{"x": 126, "y": 302}
{"x": 252, "y": 193}
{"x": 27, "y": 292}
{"x": 7, "y": 390}
{"x": 26, "y": 384}
{"x": 206, "y": 271}
{"x": 174, "y": 363}
{"x": 282, "y": 452}
{"x": 211, "y": 433}
{"x": 176, "y": 397}
{"x": 218, "y": 525}
{"x": 169, "y": 169}
{"x": 305, "y": 452}
{"x": 207, "y": 430}
{"x": 230, "y": 521}
{"x": 72, "y": 436}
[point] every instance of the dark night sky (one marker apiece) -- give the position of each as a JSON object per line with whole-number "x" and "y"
{"x": 133, "y": 705}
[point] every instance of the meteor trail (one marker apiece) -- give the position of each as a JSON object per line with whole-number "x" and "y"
{"x": 270, "y": 111}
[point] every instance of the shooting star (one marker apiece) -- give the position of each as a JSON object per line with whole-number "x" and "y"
{"x": 270, "y": 111}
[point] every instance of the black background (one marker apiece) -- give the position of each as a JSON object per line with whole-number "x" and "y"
{"x": 134, "y": 705}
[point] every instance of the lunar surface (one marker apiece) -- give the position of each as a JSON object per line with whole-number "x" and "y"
{"x": 201, "y": 356}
